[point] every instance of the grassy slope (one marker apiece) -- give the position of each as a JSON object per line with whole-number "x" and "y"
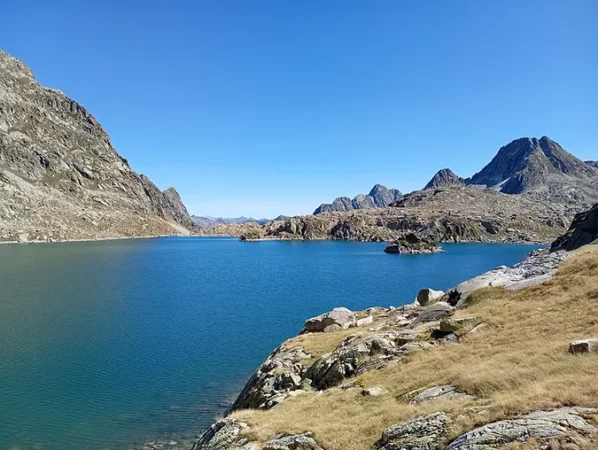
{"x": 518, "y": 364}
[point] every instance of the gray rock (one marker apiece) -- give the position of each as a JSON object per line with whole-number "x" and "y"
{"x": 375, "y": 391}
{"x": 433, "y": 313}
{"x": 584, "y": 346}
{"x": 292, "y": 442}
{"x": 459, "y": 325}
{"x": 439, "y": 392}
{"x": 338, "y": 318}
{"x": 536, "y": 269}
{"x": 221, "y": 435}
{"x": 428, "y": 296}
{"x": 583, "y": 231}
{"x": 422, "y": 433}
{"x": 444, "y": 178}
{"x": 540, "y": 424}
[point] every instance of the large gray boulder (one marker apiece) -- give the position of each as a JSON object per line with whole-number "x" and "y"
{"x": 224, "y": 434}
{"x": 583, "y": 231}
{"x": 584, "y": 346}
{"x": 428, "y": 296}
{"x": 337, "y": 319}
{"x": 540, "y": 424}
{"x": 422, "y": 433}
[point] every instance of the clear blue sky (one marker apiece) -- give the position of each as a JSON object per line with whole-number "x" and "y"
{"x": 272, "y": 107}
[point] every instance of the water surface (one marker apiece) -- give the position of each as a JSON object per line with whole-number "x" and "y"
{"x": 106, "y": 345}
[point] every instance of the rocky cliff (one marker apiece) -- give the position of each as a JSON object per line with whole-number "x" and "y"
{"x": 504, "y": 360}
{"x": 543, "y": 167}
{"x": 583, "y": 231}
{"x": 60, "y": 177}
{"x": 378, "y": 197}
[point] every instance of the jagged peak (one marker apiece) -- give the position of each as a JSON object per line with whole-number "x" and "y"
{"x": 444, "y": 177}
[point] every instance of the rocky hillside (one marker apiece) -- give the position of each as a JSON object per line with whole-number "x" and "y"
{"x": 378, "y": 197}
{"x": 543, "y": 167}
{"x": 506, "y": 360}
{"x": 60, "y": 177}
{"x": 444, "y": 178}
{"x": 454, "y": 213}
{"x": 583, "y": 231}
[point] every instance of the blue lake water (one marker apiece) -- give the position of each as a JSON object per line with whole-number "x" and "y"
{"x": 106, "y": 345}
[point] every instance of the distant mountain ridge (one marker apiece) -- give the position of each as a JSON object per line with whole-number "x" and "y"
{"x": 379, "y": 197}
{"x": 207, "y": 221}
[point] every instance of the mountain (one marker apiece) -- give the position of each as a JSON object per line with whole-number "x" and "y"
{"x": 378, "y": 197}
{"x": 60, "y": 177}
{"x": 207, "y": 221}
{"x": 543, "y": 167}
{"x": 443, "y": 178}
{"x": 592, "y": 163}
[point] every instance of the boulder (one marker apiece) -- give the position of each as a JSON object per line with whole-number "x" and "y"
{"x": 540, "y": 424}
{"x": 428, "y": 296}
{"x": 292, "y": 442}
{"x": 422, "y": 433}
{"x": 365, "y": 321}
{"x": 434, "y": 393}
{"x": 338, "y": 318}
{"x": 459, "y": 325}
{"x": 375, "y": 391}
{"x": 433, "y": 313}
{"x": 222, "y": 434}
{"x": 584, "y": 346}
{"x": 583, "y": 231}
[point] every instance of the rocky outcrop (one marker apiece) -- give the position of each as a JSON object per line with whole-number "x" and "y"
{"x": 411, "y": 244}
{"x": 60, "y": 177}
{"x": 378, "y": 197}
{"x": 536, "y": 269}
{"x": 583, "y": 230}
{"x": 337, "y": 319}
{"x": 428, "y": 296}
{"x": 539, "y": 424}
{"x": 422, "y": 433}
{"x": 444, "y": 178}
{"x": 543, "y": 167}
{"x": 584, "y": 346}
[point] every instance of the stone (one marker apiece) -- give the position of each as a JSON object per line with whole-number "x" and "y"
{"x": 439, "y": 392}
{"x": 221, "y": 435}
{"x": 342, "y": 318}
{"x": 459, "y": 325}
{"x": 365, "y": 321}
{"x": 540, "y": 424}
{"x": 428, "y": 296}
{"x": 422, "y": 433}
{"x": 292, "y": 442}
{"x": 375, "y": 391}
{"x": 584, "y": 346}
{"x": 433, "y": 313}
{"x": 583, "y": 231}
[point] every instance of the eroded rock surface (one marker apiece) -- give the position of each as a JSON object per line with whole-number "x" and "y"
{"x": 422, "y": 433}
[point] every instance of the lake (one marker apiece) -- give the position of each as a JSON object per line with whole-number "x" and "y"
{"x": 107, "y": 345}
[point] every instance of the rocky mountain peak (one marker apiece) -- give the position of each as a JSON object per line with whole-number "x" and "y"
{"x": 379, "y": 197}
{"x": 442, "y": 178}
{"x": 540, "y": 166}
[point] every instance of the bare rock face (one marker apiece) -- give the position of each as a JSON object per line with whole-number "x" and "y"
{"x": 543, "y": 167}
{"x": 443, "y": 178}
{"x": 338, "y": 318}
{"x": 421, "y": 433}
{"x": 540, "y": 424}
{"x": 412, "y": 244}
{"x": 583, "y": 231}
{"x": 60, "y": 177}
{"x": 379, "y": 197}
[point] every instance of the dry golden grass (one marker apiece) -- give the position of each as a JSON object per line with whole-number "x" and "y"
{"x": 520, "y": 364}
